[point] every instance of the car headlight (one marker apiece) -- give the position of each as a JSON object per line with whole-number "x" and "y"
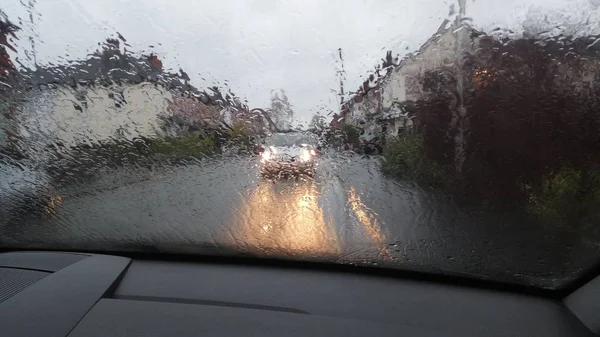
{"x": 306, "y": 155}
{"x": 266, "y": 155}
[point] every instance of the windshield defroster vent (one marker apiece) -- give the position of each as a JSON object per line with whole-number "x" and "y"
{"x": 13, "y": 280}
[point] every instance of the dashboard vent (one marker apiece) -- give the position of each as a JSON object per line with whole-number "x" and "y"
{"x": 13, "y": 280}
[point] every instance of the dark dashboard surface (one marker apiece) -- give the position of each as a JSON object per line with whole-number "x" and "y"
{"x": 70, "y": 294}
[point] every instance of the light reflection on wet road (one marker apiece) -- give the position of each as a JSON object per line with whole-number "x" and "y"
{"x": 349, "y": 213}
{"x": 285, "y": 218}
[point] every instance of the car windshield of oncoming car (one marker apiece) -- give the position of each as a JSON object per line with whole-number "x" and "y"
{"x": 455, "y": 137}
{"x": 290, "y": 140}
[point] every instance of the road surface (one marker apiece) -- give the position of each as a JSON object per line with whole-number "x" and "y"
{"x": 349, "y": 213}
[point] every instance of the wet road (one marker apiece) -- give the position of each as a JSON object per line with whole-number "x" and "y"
{"x": 349, "y": 213}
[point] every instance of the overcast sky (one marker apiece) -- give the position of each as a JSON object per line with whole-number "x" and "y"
{"x": 257, "y": 45}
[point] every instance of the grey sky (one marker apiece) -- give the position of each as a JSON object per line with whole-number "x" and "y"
{"x": 261, "y": 45}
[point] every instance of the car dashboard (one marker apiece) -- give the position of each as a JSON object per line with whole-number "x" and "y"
{"x": 78, "y": 294}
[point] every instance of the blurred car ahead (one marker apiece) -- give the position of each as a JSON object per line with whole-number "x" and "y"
{"x": 287, "y": 155}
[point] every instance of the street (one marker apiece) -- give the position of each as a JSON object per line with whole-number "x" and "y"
{"x": 349, "y": 213}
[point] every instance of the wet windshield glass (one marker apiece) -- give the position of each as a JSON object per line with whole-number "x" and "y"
{"x": 454, "y": 137}
{"x": 289, "y": 140}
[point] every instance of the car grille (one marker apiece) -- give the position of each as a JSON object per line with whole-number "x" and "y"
{"x": 285, "y": 158}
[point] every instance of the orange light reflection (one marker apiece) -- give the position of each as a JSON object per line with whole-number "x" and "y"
{"x": 285, "y": 219}
{"x": 369, "y": 222}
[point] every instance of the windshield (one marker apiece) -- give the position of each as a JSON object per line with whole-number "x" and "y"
{"x": 454, "y": 137}
{"x": 289, "y": 140}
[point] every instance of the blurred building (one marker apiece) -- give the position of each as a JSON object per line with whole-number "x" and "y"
{"x": 113, "y": 94}
{"x": 109, "y": 95}
{"x": 457, "y": 48}
{"x": 384, "y": 98}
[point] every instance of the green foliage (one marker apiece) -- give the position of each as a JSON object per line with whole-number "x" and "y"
{"x": 343, "y": 136}
{"x": 405, "y": 157}
{"x": 593, "y": 189}
{"x": 183, "y": 146}
{"x": 121, "y": 151}
{"x": 351, "y": 134}
{"x": 85, "y": 159}
{"x": 558, "y": 194}
{"x": 239, "y": 134}
{"x": 567, "y": 195}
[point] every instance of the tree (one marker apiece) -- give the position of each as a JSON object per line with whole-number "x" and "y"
{"x": 281, "y": 110}
{"x": 266, "y": 116}
{"x": 532, "y": 111}
{"x": 317, "y": 122}
{"x": 7, "y": 29}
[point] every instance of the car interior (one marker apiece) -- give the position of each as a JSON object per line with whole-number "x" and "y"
{"x": 45, "y": 293}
